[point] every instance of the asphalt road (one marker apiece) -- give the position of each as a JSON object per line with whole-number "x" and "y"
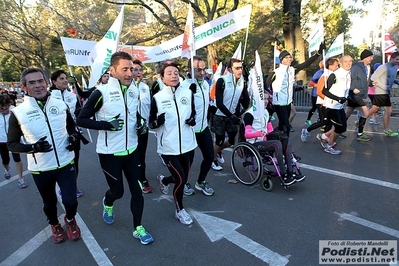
{"x": 352, "y": 196}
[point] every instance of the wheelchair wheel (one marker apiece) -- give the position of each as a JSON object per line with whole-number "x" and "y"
{"x": 267, "y": 184}
{"x": 246, "y": 163}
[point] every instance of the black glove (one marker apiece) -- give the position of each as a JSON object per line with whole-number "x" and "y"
{"x": 159, "y": 121}
{"x": 141, "y": 125}
{"x": 193, "y": 88}
{"x": 321, "y": 48}
{"x": 116, "y": 123}
{"x": 342, "y": 100}
{"x": 234, "y": 120}
{"x": 212, "y": 109}
{"x": 42, "y": 145}
{"x": 72, "y": 79}
{"x": 73, "y": 142}
{"x": 191, "y": 121}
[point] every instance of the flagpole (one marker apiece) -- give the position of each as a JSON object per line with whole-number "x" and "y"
{"x": 245, "y": 45}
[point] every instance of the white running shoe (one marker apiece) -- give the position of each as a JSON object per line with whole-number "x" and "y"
{"x": 220, "y": 158}
{"x": 215, "y": 166}
{"x": 332, "y": 150}
{"x": 183, "y": 217}
{"x": 164, "y": 188}
{"x": 304, "y": 134}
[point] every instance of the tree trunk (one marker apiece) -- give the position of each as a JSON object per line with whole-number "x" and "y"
{"x": 292, "y": 33}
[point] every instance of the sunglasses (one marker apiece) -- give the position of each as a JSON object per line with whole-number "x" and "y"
{"x": 237, "y": 68}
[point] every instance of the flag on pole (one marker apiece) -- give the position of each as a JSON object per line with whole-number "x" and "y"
{"x": 218, "y": 73}
{"x": 276, "y": 54}
{"x": 84, "y": 84}
{"x": 389, "y": 45}
{"x": 316, "y": 36}
{"x": 237, "y": 54}
{"x": 214, "y": 64}
{"x": 100, "y": 56}
{"x": 256, "y": 88}
{"x": 188, "y": 47}
{"x": 337, "y": 47}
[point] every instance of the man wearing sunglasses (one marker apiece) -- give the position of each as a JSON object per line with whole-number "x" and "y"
{"x": 231, "y": 92}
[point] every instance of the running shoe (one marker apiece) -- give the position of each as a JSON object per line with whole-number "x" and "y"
{"x": 79, "y": 193}
{"x": 273, "y": 118}
{"x": 332, "y": 150}
{"x": 58, "y": 234}
{"x": 73, "y": 230}
{"x": 7, "y": 174}
{"x": 215, "y": 166}
{"x": 291, "y": 129}
{"x": 204, "y": 187}
{"x": 22, "y": 184}
{"x": 375, "y": 122}
{"x": 108, "y": 213}
{"x": 363, "y": 137}
{"x": 164, "y": 188}
{"x": 146, "y": 188}
{"x": 323, "y": 142}
{"x": 288, "y": 180}
{"x": 298, "y": 178}
{"x": 220, "y": 158}
{"x": 342, "y": 136}
{"x": 390, "y": 133}
{"x": 356, "y": 123}
{"x": 141, "y": 234}
{"x": 188, "y": 190}
{"x": 304, "y": 134}
{"x": 183, "y": 217}
{"x": 308, "y": 123}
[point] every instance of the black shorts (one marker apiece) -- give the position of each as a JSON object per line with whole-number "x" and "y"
{"x": 356, "y": 102}
{"x": 222, "y": 124}
{"x": 381, "y": 100}
{"x": 338, "y": 118}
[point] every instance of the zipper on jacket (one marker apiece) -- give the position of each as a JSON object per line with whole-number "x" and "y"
{"x": 203, "y": 111}
{"x": 178, "y": 122}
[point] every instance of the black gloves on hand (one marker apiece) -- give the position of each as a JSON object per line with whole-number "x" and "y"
{"x": 193, "y": 88}
{"x": 116, "y": 123}
{"x": 42, "y": 145}
{"x": 234, "y": 120}
{"x": 321, "y": 48}
{"x": 73, "y": 142}
{"x": 212, "y": 109}
{"x": 342, "y": 100}
{"x": 158, "y": 122}
{"x": 191, "y": 121}
{"x": 245, "y": 71}
{"x": 141, "y": 127}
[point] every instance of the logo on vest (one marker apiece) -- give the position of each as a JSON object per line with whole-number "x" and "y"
{"x": 54, "y": 110}
{"x": 184, "y": 101}
{"x": 132, "y": 94}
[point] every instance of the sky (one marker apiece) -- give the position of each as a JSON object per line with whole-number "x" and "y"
{"x": 362, "y": 26}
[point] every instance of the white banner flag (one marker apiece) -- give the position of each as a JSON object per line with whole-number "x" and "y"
{"x": 188, "y": 45}
{"x": 256, "y": 87}
{"x": 205, "y": 34}
{"x": 316, "y": 36}
{"x": 100, "y": 56}
{"x": 337, "y": 47}
{"x": 77, "y": 51}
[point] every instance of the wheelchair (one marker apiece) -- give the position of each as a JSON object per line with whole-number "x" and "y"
{"x": 249, "y": 165}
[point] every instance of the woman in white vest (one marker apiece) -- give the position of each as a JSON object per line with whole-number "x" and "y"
{"x": 172, "y": 114}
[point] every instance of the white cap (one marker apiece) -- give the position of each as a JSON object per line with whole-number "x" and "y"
{"x": 209, "y": 71}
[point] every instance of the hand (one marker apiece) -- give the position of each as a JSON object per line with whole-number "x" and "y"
{"x": 193, "y": 88}
{"x": 72, "y": 79}
{"x": 42, "y": 145}
{"x": 342, "y": 100}
{"x": 321, "y": 48}
{"x": 141, "y": 127}
{"x": 73, "y": 142}
{"x": 234, "y": 120}
{"x": 212, "y": 109}
{"x": 245, "y": 71}
{"x": 356, "y": 91}
{"x": 116, "y": 123}
{"x": 191, "y": 121}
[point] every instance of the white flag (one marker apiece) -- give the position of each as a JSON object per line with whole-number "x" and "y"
{"x": 237, "y": 54}
{"x": 218, "y": 72}
{"x": 256, "y": 88}
{"x": 100, "y": 56}
{"x": 316, "y": 36}
{"x": 337, "y": 47}
{"x": 188, "y": 46}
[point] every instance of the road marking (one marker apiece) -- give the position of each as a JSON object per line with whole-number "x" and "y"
{"x": 351, "y": 176}
{"x": 91, "y": 243}
{"x": 369, "y": 224}
{"x": 217, "y": 228}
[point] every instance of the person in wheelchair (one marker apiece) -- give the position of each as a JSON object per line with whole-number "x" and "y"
{"x": 259, "y": 132}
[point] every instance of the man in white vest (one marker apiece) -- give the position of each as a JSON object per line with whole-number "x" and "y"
{"x": 115, "y": 106}
{"x": 48, "y": 130}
